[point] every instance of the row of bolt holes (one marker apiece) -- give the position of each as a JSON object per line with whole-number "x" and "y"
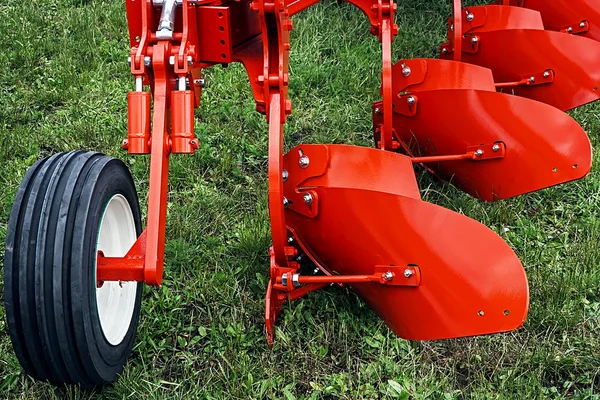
{"x": 481, "y": 313}
{"x": 222, "y": 29}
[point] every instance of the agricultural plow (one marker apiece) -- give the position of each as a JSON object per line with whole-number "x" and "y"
{"x": 488, "y": 115}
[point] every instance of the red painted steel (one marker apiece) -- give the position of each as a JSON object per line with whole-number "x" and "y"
{"x": 354, "y": 215}
{"x": 380, "y": 220}
{"x": 560, "y": 70}
{"x": 581, "y": 17}
{"x": 138, "y": 123}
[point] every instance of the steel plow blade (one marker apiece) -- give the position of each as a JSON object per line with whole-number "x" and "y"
{"x": 551, "y": 67}
{"x": 510, "y": 145}
{"x": 462, "y": 278}
{"x": 579, "y": 17}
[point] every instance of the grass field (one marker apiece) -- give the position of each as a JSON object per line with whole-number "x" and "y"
{"x": 63, "y": 85}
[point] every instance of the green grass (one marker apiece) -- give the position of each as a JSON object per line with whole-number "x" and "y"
{"x": 63, "y": 85}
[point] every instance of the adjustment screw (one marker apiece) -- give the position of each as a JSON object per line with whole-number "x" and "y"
{"x": 410, "y": 100}
{"x": 284, "y": 175}
{"x": 304, "y": 161}
{"x": 496, "y": 147}
{"x": 308, "y": 198}
{"x": 388, "y": 276}
{"x": 408, "y": 272}
{"x": 406, "y": 71}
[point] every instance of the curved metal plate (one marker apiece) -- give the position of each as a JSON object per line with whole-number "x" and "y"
{"x": 516, "y": 53}
{"x": 472, "y": 283}
{"x": 495, "y": 17}
{"x": 544, "y": 146}
{"x": 420, "y": 74}
{"x": 562, "y": 14}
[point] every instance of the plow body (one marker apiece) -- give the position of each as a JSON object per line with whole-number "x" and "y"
{"x": 487, "y": 117}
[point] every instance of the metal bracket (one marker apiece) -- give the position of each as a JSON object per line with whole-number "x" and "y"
{"x": 298, "y": 169}
{"x": 577, "y": 29}
{"x": 389, "y": 275}
{"x": 482, "y": 152}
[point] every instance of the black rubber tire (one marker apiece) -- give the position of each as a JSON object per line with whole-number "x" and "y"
{"x": 49, "y": 269}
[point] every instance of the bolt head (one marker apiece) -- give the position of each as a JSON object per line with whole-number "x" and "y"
{"x": 410, "y": 100}
{"x": 532, "y": 79}
{"x": 570, "y": 30}
{"x": 129, "y": 61}
{"x": 470, "y": 17}
{"x": 286, "y": 203}
{"x": 284, "y": 175}
{"x": 172, "y": 60}
{"x": 406, "y": 71}
{"x": 377, "y": 110}
{"x": 546, "y": 74}
{"x": 190, "y": 60}
{"x": 479, "y": 153}
{"x": 200, "y": 82}
{"x": 496, "y": 147}
{"x": 388, "y": 276}
{"x": 582, "y": 24}
{"x": 290, "y": 240}
{"x": 474, "y": 39}
{"x": 308, "y": 198}
{"x": 408, "y": 272}
{"x": 147, "y": 61}
{"x": 304, "y": 161}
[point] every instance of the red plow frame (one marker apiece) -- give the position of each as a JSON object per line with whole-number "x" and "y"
{"x": 488, "y": 116}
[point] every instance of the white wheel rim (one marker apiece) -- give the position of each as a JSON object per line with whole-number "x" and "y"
{"x": 116, "y": 300}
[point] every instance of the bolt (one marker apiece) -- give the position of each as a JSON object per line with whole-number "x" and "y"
{"x": 286, "y": 203}
{"x": 316, "y": 271}
{"x": 172, "y": 60}
{"x": 200, "y": 82}
{"x": 470, "y": 17}
{"x": 496, "y": 147}
{"x": 284, "y": 175}
{"x": 570, "y": 30}
{"x": 474, "y": 39}
{"x": 444, "y": 50}
{"x": 299, "y": 258}
{"x": 284, "y": 279}
{"x": 129, "y": 61}
{"x": 582, "y": 24}
{"x": 377, "y": 110}
{"x": 479, "y": 153}
{"x": 147, "y": 61}
{"x": 546, "y": 74}
{"x": 304, "y": 161}
{"x": 388, "y": 276}
{"x": 408, "y": 272}
{"x": 532, "y": 80}
{"x": 308, "y": 198}
{"x": 406, "y": 71}
{"x": 190, "y": 60}
{"x": 290, "y": 240}
{"x": 410, "y": 100}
